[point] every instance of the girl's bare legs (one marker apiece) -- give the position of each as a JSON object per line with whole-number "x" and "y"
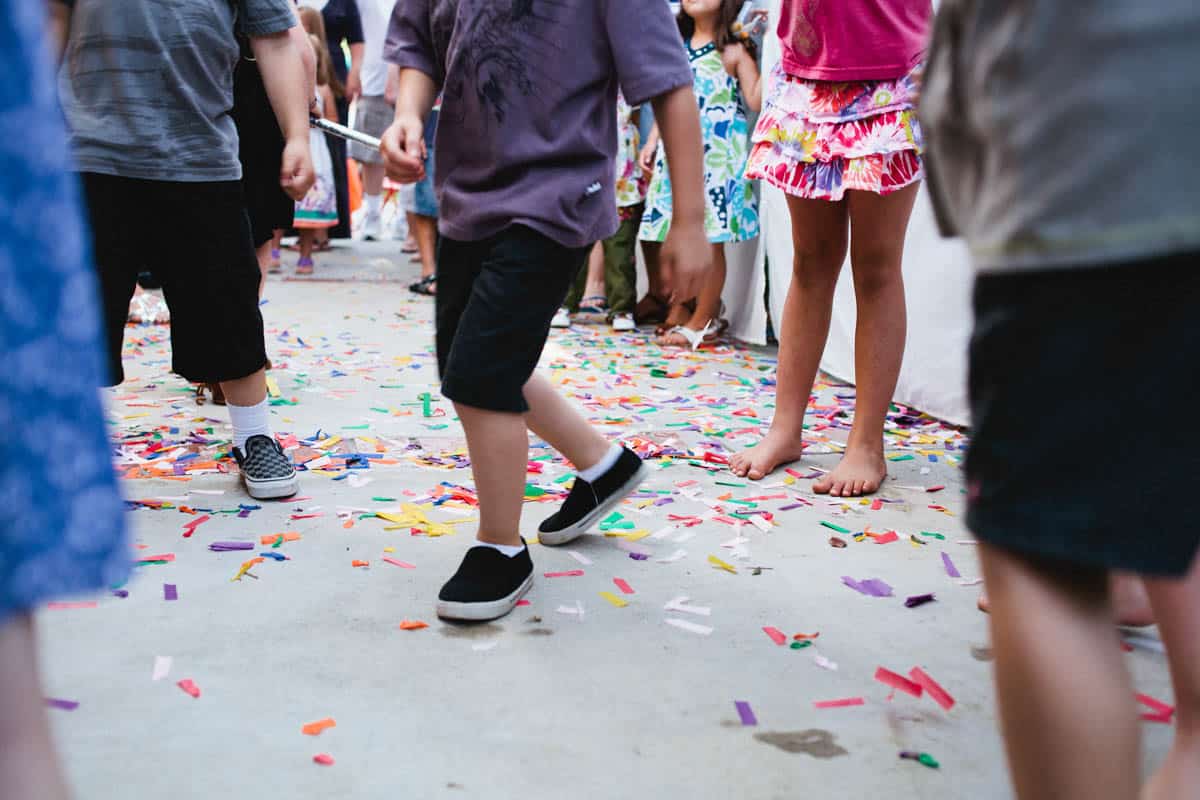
{"x": 819, "y": 237}
{"x": 655, "y": 299}
{"x": 1177, "y": 611}
{"x": 1130, "y": 600}
{"x": 594, "y": 285}
{"x": 28, "y": 765}
{"x": 878, "y": 224}
{"x": 708, "y": 303}
{"x": 1070, "y": 727}
{"x": 424, "y": 230}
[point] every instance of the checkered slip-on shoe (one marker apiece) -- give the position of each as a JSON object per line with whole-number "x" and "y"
{"x": 266, "y": 469}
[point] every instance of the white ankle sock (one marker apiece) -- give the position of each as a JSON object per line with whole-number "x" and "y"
{"x": 249, "y": 421}
{"x": 603, "y": 465}
{"x": 373, "y": 202}
{"x": 509, "y": 550}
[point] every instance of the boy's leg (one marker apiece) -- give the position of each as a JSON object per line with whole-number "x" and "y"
{"x": 558, "y": 422}
{"x": 424, "y": 229}
{"x": 111, "y": 203}
{"x": 498, "y": 444}
{"x": 211, "y": 288}
{"x": 1177, "y": 610}
{"x": 1065, "y": 705}
{"x": 28, "y": 764}
{"x": 594, "y": 284}
{"x": 877, "y": 228}
{"x": 819, "y": 237}
{"x": 575, "y": 293}
{"x": 620, "y": 267}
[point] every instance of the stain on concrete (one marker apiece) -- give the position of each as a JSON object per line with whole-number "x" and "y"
{"x": 981, "y": 653}
{"x": 539, "y": 632}
{"x": 814, "y": 742}
{"x": 470, "y": 630}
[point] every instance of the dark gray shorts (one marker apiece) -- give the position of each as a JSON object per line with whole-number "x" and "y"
{"x": 1083, "y": 400}
{"x": 495, "y": 301}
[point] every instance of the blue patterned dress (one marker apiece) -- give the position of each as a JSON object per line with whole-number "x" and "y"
{"x": 731, "y": 210}
{"x": 61, "y": 517}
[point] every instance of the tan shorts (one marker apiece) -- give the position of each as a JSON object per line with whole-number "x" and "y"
{"x": 372, "y": 116}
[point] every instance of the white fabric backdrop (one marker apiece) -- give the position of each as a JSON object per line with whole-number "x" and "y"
{"x": 938, "y": 279}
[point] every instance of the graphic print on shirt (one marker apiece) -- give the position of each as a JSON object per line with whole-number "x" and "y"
{"x": 804, "y": 37}
{"x": 495, "y": 37}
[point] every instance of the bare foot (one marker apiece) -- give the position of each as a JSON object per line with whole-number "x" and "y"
{"x": 678, "y": 316}
{"x": 860, "y": 472}
{"x": 775, "y": 450}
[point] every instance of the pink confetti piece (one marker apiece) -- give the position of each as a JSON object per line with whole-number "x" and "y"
{"x": 71, "y": 606}
{"x": 523, "y": 603}
{"x": 899, "y": 682}
{"x": 777, "y": 636}
{"x": 843, "y": 703}
{"x": 1162, "y": 712}
{"x": 189, "y": 686}
{"x": 623, "y": 586}
{"x": 572, "y": 573}
{"x": 932, "y": 688}
{"x": 745, "y": 712}
{"x": 403, "y": 564}
{"x": 324, "y": 759}
{"x": 951, "y": 570}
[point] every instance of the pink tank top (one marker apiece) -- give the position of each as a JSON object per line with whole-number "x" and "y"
{"x": 853, "y": 40}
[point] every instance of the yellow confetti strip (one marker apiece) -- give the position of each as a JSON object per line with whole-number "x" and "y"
{"x": 413, "y": 517}
{"x": 612, "y": 598}
{"x": 716, "y": 562}
{"x": 272, "y": 387}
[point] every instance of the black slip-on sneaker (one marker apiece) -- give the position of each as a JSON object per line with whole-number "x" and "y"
{"x": 266, "y": 469}
{"x": 588, "y": 503}
{"x": 488, "y": 585}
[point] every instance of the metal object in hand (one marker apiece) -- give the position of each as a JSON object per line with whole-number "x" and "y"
{"x": 343, "y": 132}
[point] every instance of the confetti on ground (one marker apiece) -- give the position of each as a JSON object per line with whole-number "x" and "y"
{"x": 413, "y": 625}
{"x": 324, "y": 759}
{"x": 63, "y": 705}
{"x": 170, "y": 592}
{"x": 843, "y": 703}
{"x": 612, "y": 598}
{"x": 703, "y": 630}
{"x": 315, "y": 728}
{"x": 162, "y": 667}
{"x": 189, "y": 686}
{"x": 746, "y": 714}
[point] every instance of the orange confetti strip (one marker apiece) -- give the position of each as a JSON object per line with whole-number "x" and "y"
{"x": 412, "y": 625}
{"x": 315, "y": 728}
{"x": 357, "y": 563}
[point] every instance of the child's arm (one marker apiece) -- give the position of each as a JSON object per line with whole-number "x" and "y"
{"x": 403, "y": 143}
{"x": 646, "y": 157}
{"x": 283, "y": 75}
{"x": 740, "y": 64}
{"x": 392, "y": 91}
{"x": 687, "y": 255}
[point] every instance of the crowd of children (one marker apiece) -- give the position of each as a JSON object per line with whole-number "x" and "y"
{"x": 1081, "y": 292}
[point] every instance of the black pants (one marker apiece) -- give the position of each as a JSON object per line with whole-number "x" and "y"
{"x": 495, "y": 301}
{"x": 210, "y": 283}
{"x": 341, "y": 181}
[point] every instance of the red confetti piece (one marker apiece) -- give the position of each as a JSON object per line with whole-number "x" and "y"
{"x": 899, "y": 682}
{"x": 884, "y": 538}
{"x": 843, "y": 703}
{"x": 162, "y": 557}
{"x": 935, "y": 488}
{"x": 777, "y": 636}
{"x": 324, "y": 759}
{"x": 1160, "y": 708}
{"x": 935, "y": 690}
{"x": 190, "y": 528}
{"x": 404, "y": 564}
{"x": 623, "y": 586}
{"x": 189, "y": 686}
{"x": 571, "y": 573}
{"x": 876, "y": 504}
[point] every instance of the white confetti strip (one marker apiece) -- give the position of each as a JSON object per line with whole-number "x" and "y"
{"x": 162, "y": 666}
{"x": 703, "y": 630}
{"x": 580, "y": 557}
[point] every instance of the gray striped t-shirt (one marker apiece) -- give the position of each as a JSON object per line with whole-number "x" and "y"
{"x": 147, "y": 85}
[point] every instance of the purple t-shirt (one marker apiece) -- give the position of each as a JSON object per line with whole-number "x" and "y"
{"x": 528, "y": 127}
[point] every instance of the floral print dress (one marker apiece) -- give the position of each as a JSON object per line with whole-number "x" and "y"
{"x": 731, "y": 210}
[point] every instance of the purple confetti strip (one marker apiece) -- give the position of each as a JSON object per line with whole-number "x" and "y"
{"x": 951, "y": 570}
{"x": 65, "y": 705}
{"x": 122, "y": 593}
{"x": 877, "y": 587}
{"x": 855, "y": 585}
{"x": 919, "y": 600}
{"x": 745, "y": 712}
{"x": 221, "y": 547}
{"x": 170, "y": 592}
{"x": 639, "y": 556}
{"x": 790, "y": 506}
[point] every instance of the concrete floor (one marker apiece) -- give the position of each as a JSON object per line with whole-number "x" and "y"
{"x": 610, "y": 702}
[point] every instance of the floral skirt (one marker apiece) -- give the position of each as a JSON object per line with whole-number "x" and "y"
{"x": 816, "y": 139}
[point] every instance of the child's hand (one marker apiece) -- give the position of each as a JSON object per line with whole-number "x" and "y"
{"x": 732, "y": 57}
{"x": 403, "y": 149}
{"x": 685, "y": 260}
{"x": 647, "y": 157}
{"x": 296, "y": 173}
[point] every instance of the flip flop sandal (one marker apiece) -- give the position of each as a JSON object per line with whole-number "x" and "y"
{"x": 423, "y": 286}
{"x": 304, "y": 266}
{"x": 218, "y": 394}
{"x": 594, "y": 304}
{"x": 719, "y": 329}
{"x": 694, "y": 338}
{"x": 275, "y": 267}
{"x": 323, "y": 246}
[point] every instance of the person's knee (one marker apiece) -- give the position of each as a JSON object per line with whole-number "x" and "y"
{"x": 817, "y": 263}
{"x": 876, "y": 269}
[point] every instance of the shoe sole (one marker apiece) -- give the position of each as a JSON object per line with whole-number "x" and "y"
{"x": 272, "y": 489}
{"x": 482, "y": 612}
{"x": 573, "y": 532}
